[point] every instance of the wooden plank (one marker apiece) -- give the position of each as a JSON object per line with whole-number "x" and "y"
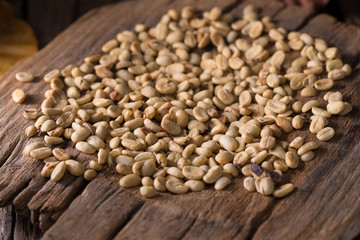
{"x": 24, "y": 229}
{"x": 12, "y": 182}
{"x": 113, "y": 212}
{"x": 103, "y": 206}
{"x": 39, "y": 214}
{"x": 11, "y": 148}
{"x": 6, "y": 222}
{"x": 16, "y": 227}
{"x": 204, "y": 215}
{"x": 23, "y": 198}
{"x": 53, "y": 197}
{"x": 47, "y": 203}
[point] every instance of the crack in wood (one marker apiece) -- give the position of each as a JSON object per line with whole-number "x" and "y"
{"x": 13, "y": 221}
{"x": 182, "y": 236}
{"x": 7, "y": 216}
{"x": 131, "y": 216}
{"x": 8, "y": 152}
{"x": 260, "y": 218}
{"x": 106, "y": 197}
{"x": 6, "y": 194}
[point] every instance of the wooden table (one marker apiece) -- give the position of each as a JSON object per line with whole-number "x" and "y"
{"x": 326, "y": 204}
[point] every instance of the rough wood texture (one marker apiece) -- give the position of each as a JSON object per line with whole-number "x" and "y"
{"x": 16, "y": 226}
{"x": 6, "y": 222}
{"x": 324, "y": 206}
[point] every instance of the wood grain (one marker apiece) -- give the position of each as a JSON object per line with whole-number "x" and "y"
{"x": 15, "y": 226}
{"x": 325, "y": 205}
{"x": 6, "y": 222}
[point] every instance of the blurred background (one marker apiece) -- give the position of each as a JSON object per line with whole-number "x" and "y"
{"x": 28, "y": 25}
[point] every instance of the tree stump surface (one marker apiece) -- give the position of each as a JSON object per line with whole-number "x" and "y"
{"x": 325, "y": 205}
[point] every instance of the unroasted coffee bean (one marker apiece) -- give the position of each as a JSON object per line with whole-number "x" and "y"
{"x": 172, "y": 118}
{"x": 325, "y": 134}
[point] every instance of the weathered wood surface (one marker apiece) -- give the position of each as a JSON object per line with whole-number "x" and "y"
{"x": 325, "y": 205}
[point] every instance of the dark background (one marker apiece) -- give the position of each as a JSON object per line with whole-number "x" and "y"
{"x": 49, "y": 17}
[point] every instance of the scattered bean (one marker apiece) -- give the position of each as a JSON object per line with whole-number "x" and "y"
{"x": 325, "y": 134}
{"x": 18, "y": 95}
{"x": 307, "y": 147}
{"x": 165, "y": 114}
{"x": 24, "y": 76}
{"x": 31, "y": 113}
{"x": 41, "y": 153}
{"x": 283, "y": 190}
